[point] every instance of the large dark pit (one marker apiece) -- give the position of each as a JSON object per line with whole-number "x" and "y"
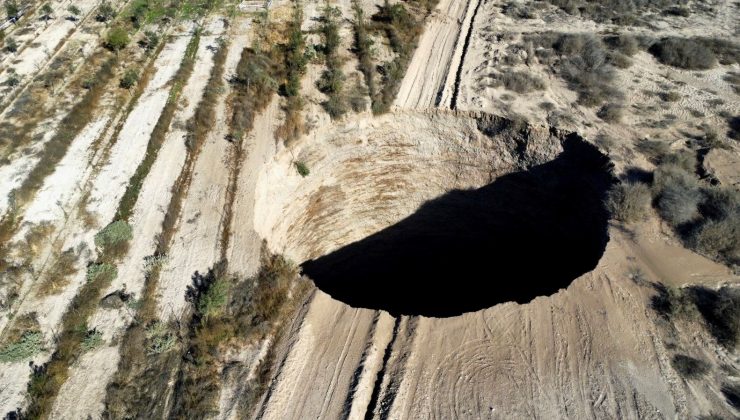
{"x": 527, "y": 234}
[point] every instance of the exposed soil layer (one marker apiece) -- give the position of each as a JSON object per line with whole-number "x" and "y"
{"x": 526, "y": 234}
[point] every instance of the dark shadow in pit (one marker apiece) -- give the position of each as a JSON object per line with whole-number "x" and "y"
{"x": 527, "y": 234}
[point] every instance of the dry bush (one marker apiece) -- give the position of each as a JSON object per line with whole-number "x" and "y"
{"x": 611, "y": 113}
{"x": 689, "y": 367}
{"x": 720, "y": 310}
{"x": 521, "y": 82}
{"x": 654, "y": 150}
{"x": 113, "y": 240}
{"x": 629, "y": 202}
{"x": 683, "y": 53}
{"x": 677, "y": 195}
{"x": 57, "y": 278}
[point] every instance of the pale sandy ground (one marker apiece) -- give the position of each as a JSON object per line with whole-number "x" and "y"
{"x": 76, "y": 235}
{"x": 147, "y": 219}
{"x": 80, "y": 44}
{"x": 195, "y": 246}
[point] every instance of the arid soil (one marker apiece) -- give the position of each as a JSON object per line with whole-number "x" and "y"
{"x": 453, "y": 257}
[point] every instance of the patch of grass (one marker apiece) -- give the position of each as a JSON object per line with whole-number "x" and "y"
{"x": 160, "y": 338}
{"x": 689, "y": 367}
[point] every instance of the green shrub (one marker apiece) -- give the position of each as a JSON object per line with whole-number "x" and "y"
{"x": 74, "y": 10}
{"x": 29, "y": 344}
{"x": 129, "y": 79}
{"x": 101, "y": 272}
{"x": 302, "y": 169}
{"x": 117, "y": 39}
{"x": 93, "y": 339}
{"x": 105, "y": 12}
{"x": 47, "y": 11}
{"x": 11, "y": 45}
{"x": 112, "y": 241}
{"x": 149, "y": 41}
{"x": 213, "y": 300}
{"x": 683, "y": 53}
{"x": 689, "y": 367}
{"x": 628, "y": 202}
{"x": 12, "y": 9}
{"x": 159, "y": 338}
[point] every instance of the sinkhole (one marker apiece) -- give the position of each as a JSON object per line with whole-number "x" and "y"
{"x": 528, "y": 232}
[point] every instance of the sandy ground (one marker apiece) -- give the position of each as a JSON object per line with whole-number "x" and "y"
{"x": 49, "y": 309}
{"x": 195, "y": 245}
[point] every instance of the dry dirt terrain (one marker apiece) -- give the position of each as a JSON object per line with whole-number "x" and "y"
{"x": 370, "y": 209}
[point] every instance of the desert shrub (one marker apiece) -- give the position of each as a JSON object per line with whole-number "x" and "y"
{"x": 58, "y": 275}
{"x": 732, "y": 394}
{"x": 74, "y": 10}
{"x": 677, "y": 194}
{"x": 619, "y": 60}
{"x": 28, "y": 345}
{"x": 684, "y": 159}
{"x": 683, "y": 53}
{"x": 654, "y": 150}
{"x": 213, "y": 300}
{"x": 332, "y": 79}
{"x": 720, "y": 310}
{"x": 717, "y": 235}
{"x": 93, "y": 339}
{"x": 521, "y": 82}
{"x": 628, "y": 202}
{"x": 101, "y": 272}
{"x": 112, "y": 241}
{"x": 689, "y": 367}
{"x": 363, "y": 48}
{"x": 129, "y": 79}
{"x": 46, "y": 11}
{"x": 670, "y": 96}
{"x": 105, "y": 12}
{"x": 149, "y": 41}
{"x": 160, "y": 338}
{"x": 586, "y": 68}
{"x": 611, "y": 113}
{"x": 11, "y": 45}
{"x": 117, "y": 39}
{"x": 624, "y": 43}
{"x": 302, "y": 168}
{"x": 12, "y": 9}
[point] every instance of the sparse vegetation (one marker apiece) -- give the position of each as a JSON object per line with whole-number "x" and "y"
{"x": 74, "y": 11}
{"x": 58, "y": 275}
{"x": 12, "y": 9}
{"x": 101, "y": 272}
{"x": 332, "y": 79}
{"x": 254, "y": 307}
{"x": 521, "y": 82}
{"x": 363, "y": 48}
{"x": 295, "y": 58}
